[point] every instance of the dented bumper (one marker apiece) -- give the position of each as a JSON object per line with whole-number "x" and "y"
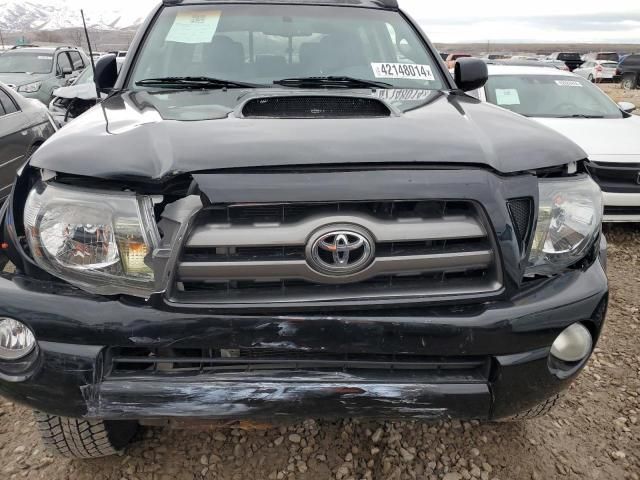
{"x": 495, "y": 356}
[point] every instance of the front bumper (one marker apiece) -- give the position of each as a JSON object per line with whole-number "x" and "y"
{"x": 72, "y": 375}
{"x": 621, "y": 207}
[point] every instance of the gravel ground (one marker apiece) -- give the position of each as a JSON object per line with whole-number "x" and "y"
{"x": 592, "y": 434}
{"x": 615, "y": 91}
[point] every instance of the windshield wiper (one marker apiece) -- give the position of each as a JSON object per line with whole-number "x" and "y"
{"x": 194, "y": 82}
{"x": 580, "y": 115}
{"x": 331, "y": 82}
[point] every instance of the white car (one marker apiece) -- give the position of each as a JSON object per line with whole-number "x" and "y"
{"x": 121, "y": 56}
{"x": 599, "y": 71}
{"x": 571, "y": 105}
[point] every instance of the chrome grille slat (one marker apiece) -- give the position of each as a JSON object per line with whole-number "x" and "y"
{"x": 300, "y": 269}
{"x": 225, "y": 235}
{"x": 254, "y": 254}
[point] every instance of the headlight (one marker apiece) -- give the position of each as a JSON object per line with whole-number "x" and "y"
{"x": 30, "y": 88}
{"x": 569, "y": 221}
{"x": 99, "y": 241}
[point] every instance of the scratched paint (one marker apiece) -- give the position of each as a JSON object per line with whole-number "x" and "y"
{"x": 224, "y": 396}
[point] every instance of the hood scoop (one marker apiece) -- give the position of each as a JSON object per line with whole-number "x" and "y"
{"x": 315, "y": 106}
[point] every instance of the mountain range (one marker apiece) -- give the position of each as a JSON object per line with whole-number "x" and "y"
{"x": 24, "y": 15}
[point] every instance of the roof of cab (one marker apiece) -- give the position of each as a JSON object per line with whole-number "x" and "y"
{"x": 384, "y": 4}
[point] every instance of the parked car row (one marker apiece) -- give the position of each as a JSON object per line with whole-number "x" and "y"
{"x": 595, "y": 67}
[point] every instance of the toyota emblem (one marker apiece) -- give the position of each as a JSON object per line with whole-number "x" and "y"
{"x": 340, "y": 251}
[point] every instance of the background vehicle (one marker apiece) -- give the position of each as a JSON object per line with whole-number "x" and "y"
{"x": 24, "y": 126}
{"x": 599, "y": 71}
{"x": 452, "y": 58}
{"x": 629, "y": 70}
{"x": 35, "y": 72}
{"x": 531, "y": 63}
{"x": 72, "y": 101}
{"x": 602, "y": 56}
{"x": 573, "y": 60}
{"x": 498, "y": 56}
{"x": 121, "y": 56}
{"x": 574, "y": 107}
{"x": 293, "y": 210}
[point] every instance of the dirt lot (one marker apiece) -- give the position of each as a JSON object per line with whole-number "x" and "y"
{"x": 594, "y": 433}
{"x": 615, "y": 91}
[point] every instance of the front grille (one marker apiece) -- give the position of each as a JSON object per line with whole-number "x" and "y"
{"x": 313, "y": 106}
{"x": 258, "y": 254}
{"x": 616, "y": 177}
{"x": 127, "y": 361}
{"x": 621, "y": 211}
{"x": 521, "y": 211}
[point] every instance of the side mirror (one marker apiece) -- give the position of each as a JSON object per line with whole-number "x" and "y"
{"x": 64, "y": 71}
{"x": 106, "y": 72}
{"x": 627, "y": 107}
{"x": 405, "y": 48}
{"x": 470, "y": 74}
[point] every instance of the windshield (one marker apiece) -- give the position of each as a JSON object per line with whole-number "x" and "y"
{"x": 260, "y": 44}
{"x": 555, "y": 96}
{"x": 85, "y": 77}
{"x": 26, "y": 62}
{"x": 612, "y": 57}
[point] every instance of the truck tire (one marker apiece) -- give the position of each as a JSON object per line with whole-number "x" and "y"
{"x": 75, "y": 438}
{"x": 629, "y": 82}
{"x": 538, "y": 411}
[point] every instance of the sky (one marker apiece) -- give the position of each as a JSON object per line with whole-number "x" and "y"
{"x": 539, "y": 21}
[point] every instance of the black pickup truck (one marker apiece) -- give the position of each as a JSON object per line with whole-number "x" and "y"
{"x": 572, "y": 60}
{"x": 629, "y": 70}
{"x": 290, "y": 209}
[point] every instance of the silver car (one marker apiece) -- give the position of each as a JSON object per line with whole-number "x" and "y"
{"x": 36, "y": 72}
{"x": 24, "y": 125}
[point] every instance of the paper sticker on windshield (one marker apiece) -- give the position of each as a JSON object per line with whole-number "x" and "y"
{"x": 44, "y": 58}
{"x": 194, "y": 27}
{"x": 568, "y": 83}
{"x": 507, "y": 96}
{"x": 402, "y": 70}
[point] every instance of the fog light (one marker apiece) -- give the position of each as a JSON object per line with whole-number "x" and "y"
{"x": 573, "y": 345}
{"x": 16, "y": 340}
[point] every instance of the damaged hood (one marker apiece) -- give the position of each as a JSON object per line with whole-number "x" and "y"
{"x": 156, "y": 135}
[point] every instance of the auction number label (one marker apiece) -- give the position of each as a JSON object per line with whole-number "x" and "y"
{"x": 568, "y": 83}
{"x": 402, "y": 70}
